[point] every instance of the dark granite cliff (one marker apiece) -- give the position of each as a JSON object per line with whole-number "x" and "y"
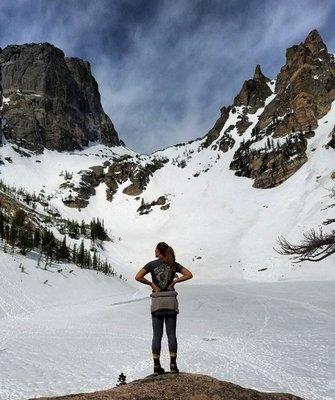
{"x": 52, "y": 101}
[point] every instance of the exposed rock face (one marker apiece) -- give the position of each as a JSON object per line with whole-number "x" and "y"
{"x": 214, "y": 133}
{"x": 242, "y": 124}
{"x": 89, "y": 180}
{"x": 225, "y": 143}
{"x": 272, "y": 164}
{"x": 331, "y": 143}
{"x": 120, "y": 171}
{"x": 54, "y": 101}
{"x": 141, "y": 177}
{"x": 254, "y": 92}
{"x": 181, "y": 386}
{"x": 305, "y": 87}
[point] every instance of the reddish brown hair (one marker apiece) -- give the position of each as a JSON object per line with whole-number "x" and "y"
{"x": 167, "y": 253}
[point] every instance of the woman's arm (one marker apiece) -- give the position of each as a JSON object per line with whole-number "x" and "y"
{"x": 140, "y": 277}
{"x": 186, "y": 274}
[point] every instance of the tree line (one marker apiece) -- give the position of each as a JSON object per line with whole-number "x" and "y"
{"x": 18, "y": 231}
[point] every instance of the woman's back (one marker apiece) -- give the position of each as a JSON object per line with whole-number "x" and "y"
{"x": 162, "y": 275}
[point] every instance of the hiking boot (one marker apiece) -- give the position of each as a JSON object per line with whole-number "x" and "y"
{"x": 158, "y": 370}
{"x": 174, "y": 369}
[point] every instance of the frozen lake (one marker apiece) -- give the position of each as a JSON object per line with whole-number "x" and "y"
{"x": 266, "y": 336}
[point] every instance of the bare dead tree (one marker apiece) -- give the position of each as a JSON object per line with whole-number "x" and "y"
{"x": 315, "y": 246}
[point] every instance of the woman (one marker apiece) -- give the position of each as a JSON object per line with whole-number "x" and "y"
{"x": 163, "y": 274}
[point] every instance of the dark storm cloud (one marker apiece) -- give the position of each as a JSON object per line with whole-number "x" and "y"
{"x": 166, "y": 67}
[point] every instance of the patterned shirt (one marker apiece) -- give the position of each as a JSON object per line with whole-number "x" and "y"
{"x": 162, "y": 275}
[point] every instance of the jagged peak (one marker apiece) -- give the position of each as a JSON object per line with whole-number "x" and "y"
{"x": 313, "y": 36}
{"x": 258, "y": 74}
{"x": 315, "y": 43}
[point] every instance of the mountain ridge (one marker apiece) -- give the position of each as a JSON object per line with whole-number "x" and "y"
{"x": 198, "y": 183}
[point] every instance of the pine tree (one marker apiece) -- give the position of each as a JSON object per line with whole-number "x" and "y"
{"x": 2, "y": 225}
{"x": 74, "y": 254}
{"x": 83, "y": 228}
{"x": 48, "y": 243}
{"x": 37, "y": 237}
{"x": 81, "y": 254}
{"x": 63, "y": 252}
{"x": 95, "y": 260}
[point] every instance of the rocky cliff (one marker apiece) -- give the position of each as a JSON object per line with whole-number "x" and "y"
{"x": 266, "y": 129}
{"x": 51, "y": 101}
{"x": 181, "y": 386}
{"x": 303, "y": 93}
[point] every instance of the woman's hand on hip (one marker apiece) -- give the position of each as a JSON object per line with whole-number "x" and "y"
{"x": 155, "y": 288}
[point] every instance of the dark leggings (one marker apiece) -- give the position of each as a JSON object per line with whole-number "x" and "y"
{"x": 157, "y": 326}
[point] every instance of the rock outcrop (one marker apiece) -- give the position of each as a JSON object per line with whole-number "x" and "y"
{"x": 52, "y": 101}
{"x": 181, "y": 386}
{"x": 305, "y": 88}
{"x": 214, "y": 133}
{"x": 254, "y": 92}
{"x": 146, "y": 208}
{"x": 271, "y": 165}
{"x": 120, "y": 171}
{"x": 331, "y": 143}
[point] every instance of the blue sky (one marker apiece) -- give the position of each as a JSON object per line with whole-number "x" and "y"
{"x": 165, "y": 68}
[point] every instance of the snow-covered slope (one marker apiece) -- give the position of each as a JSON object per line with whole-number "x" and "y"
{"x": 219, "y": 225}
{"x": 266, "y": 336}
{"x": 27, "y": 286}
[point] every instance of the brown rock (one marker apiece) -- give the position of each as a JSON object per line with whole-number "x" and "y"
{"x": 242, "y": 124}
{"x": 225, "y": 143}
{"x": 305, "y": 87}
{"x": 76, "y": 203}
{"x": 279, "y": 170}
{"x": 133, "y": 190}
{"x": 161, "y": 200}
{"x": 98, "y": 172}
{"x": 254, "y": 92}
{"x": 271, "y": 165}
{"x": 331, "y": 143}
{"x": 182, "y": 386}
{"x": 140, "y": 177}
{"x": 214, "y": 133}
{"x": 258, "y": 75}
